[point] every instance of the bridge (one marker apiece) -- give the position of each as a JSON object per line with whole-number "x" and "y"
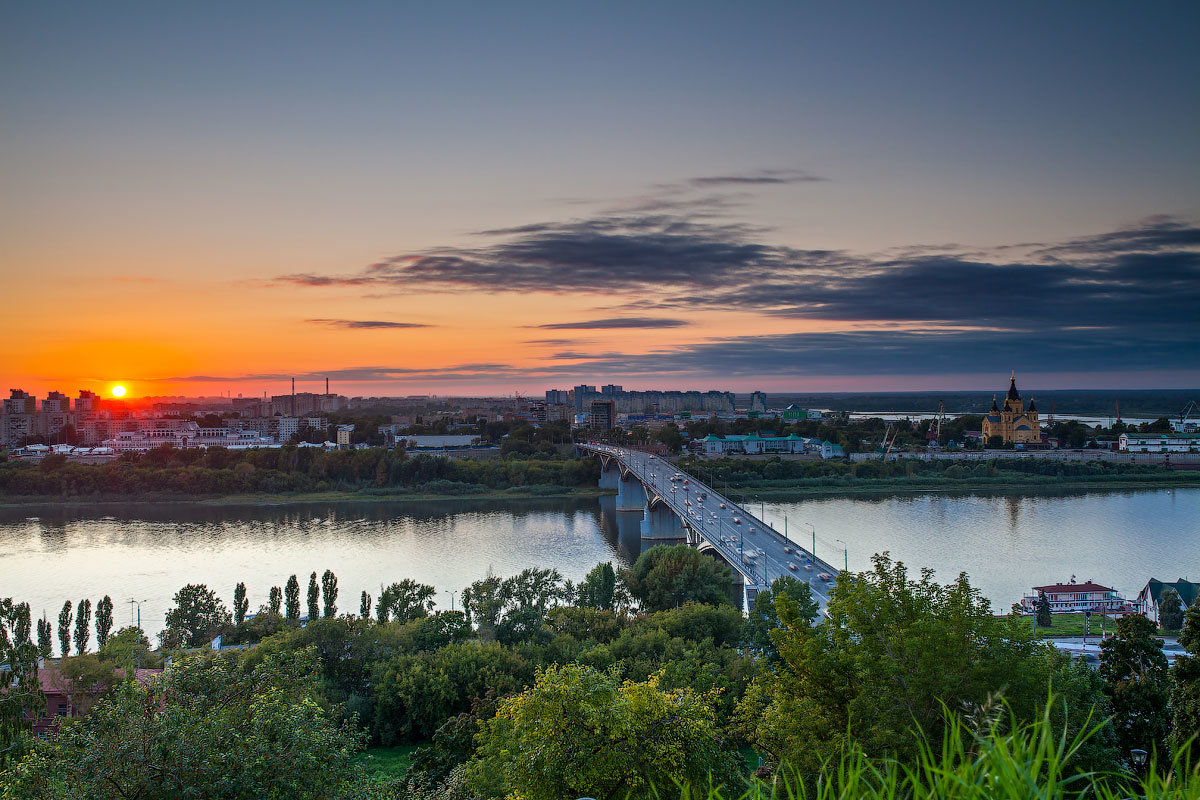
{"x": 677, "y": 506}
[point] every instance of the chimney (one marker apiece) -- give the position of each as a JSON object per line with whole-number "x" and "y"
{"x": 327, "y": 387}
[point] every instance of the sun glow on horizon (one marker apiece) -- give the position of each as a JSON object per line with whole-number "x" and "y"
{"x": 118, "y": 391}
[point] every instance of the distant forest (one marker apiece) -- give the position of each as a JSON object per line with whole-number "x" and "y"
{"x": 1092, "y": 403}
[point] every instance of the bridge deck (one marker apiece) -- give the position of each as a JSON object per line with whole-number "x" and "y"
{"x": 755, "y": 549}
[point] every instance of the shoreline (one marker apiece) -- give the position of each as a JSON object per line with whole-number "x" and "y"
{"x": 772, "y": 493}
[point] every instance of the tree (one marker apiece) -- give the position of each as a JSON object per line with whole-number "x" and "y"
{"x": 21, "y": 699}
{"x": 128, "y": 648}
{"x": 404, "y": 601}
{"x": 329, "y": 590}
{"x": 580, "y": 732}
{"x": 1044, "y": 619}
{"x": 1170, "y": 610}
{"x": 665, "y": 577}
{"x": 64, "y": 629}
{"x": 242, "y": 733}
{"x": 483, "y": 601}
{"x": 598, "y": 587}
{"x": 1135, "y": 675}
{"x": 894, "y": 654}
{"x": 764, "y": 620}
{"x": 1185, "y": 694}
{"x": 197, "y": 618}
{"x": 86, "y": 679}
{"x": 314, "y": 598}
{"x": 364, "y": 605}
{"x": 104, "y": 620}
{"x": 240, "y": 604}
{"x": 291, "y": 594}
{"x": 83, "y": 621}
{"x": 45, "y": 635}
{"x": 274, "y": 601}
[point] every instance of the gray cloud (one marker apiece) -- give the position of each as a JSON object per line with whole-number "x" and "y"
{"x": 614, "y": 323}
{"x": 364, "y": 323}
{"x": 762, "y": 177}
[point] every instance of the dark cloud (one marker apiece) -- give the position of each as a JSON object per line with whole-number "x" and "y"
{"x": 615, "y": 322}
{"x": 763, "y": 177}
{"x": 911, "y": 352}
{"x": 364, "y": 323}
{"x": 1139, "y": 283}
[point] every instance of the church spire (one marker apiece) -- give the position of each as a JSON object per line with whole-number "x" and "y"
{"x": 1013, "y": 394}
{"x": 995, "y": 407}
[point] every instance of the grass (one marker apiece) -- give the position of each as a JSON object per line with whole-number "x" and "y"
{"x": 386, "y": 762}
{"x": 1007, "y": 761}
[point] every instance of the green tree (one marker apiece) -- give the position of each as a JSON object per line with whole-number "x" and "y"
{"x": 129, "y": 649}
{"x": 211, "y": 726}
{"x": 64, "y": 629}
{"x": 240, "y": 604}
{"x": 86, "y": 679}
{"x": 763, "y": 619}
{"x": 291, "y": 594}
{"x": 1044, "y": 619}
{"x": 364, "y": 605}
{"x": 21, "y": 699}
{"x": 45, "y": 635}
{"x": 314, "y": 597}
{"x": 104, "y": 620}
{"x": 484, "y": 602}
{"x": 1185, "y": 692}
{"x": 598, "y": 587}
{"x": 275, "y": 601}
{"x": 83, "y": 624}
{"x": 1170, "y": 610}
{"x": 665, "y": 577}
{"x": 329, "y": 590}
{"x": 197, "y": 618}
{"x": 404, "y": 601}
{"x": 893, "y": 655}
{"x": 1134, "y": 670}
{"x": 581, "y": 732}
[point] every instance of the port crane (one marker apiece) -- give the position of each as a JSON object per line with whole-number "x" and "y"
{"x": 1187, "y": 412}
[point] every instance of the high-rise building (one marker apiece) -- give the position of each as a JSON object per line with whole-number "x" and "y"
{"x": 611, "y": 390}
{"x": 56, "y": 415}
{"x": 758, "y": 401}
{"x": 18, "y": 418}
{"x": 604, "y": 414}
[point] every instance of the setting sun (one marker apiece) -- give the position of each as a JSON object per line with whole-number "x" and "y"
{"x": 118, "y": 391}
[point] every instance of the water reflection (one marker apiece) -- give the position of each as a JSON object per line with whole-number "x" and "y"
{"x": 1007, "y": 542}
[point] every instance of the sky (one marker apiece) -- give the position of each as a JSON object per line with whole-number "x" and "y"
{"x": 481, "y": 198}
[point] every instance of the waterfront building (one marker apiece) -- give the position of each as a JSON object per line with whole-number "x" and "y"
{"x": 1151, "y": 595}
{"x": 1072, "y": 597}
{"x": 1159, "y": 442}
{"x": 1014, "y": 423}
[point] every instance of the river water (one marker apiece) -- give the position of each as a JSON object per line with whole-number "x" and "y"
{"x": 1006, "y": 543}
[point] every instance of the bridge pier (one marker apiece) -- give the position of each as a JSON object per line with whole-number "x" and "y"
{"x": 610, "y": 476}
{"x": 631, "y": 493}
{"x": 660, "y": 522}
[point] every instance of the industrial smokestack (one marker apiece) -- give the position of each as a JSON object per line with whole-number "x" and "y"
{"x": 293, "y": 398}
{"x": 327, "y": 386}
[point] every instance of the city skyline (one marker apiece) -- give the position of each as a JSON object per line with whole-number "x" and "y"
{"x": 475, "y": 201}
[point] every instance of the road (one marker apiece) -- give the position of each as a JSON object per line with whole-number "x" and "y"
{"x": 756, "y": 550}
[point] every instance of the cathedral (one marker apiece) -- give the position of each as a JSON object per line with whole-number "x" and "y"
{"x": 1014, "y": 423}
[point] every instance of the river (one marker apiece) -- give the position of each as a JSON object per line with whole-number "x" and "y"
{"x": 1005, "y": 542}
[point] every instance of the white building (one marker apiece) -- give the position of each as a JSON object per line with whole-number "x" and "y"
{"x": 1160, "y": 442}
{"x": 184, "y": 434}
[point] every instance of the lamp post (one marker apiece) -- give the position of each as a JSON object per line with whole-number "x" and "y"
{"x": 452, "y": 593}
{"x": 846, "y": 550}
{"x": 137, "y": 603}
{"x": 813, "y": 552}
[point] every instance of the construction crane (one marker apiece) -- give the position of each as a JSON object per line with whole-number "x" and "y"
{"x": 1189, "y": 410}
{"x": 934, "y": 437}
{"x": 889, "y": 439}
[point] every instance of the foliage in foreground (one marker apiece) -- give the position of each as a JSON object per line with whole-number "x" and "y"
{"x": 211, "y": 729}
{"x": 1005, "y": 760}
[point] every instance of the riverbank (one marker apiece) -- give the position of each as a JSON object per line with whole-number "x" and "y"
{"x": 368, "y": 496}
{"x": 872, "y": 489}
